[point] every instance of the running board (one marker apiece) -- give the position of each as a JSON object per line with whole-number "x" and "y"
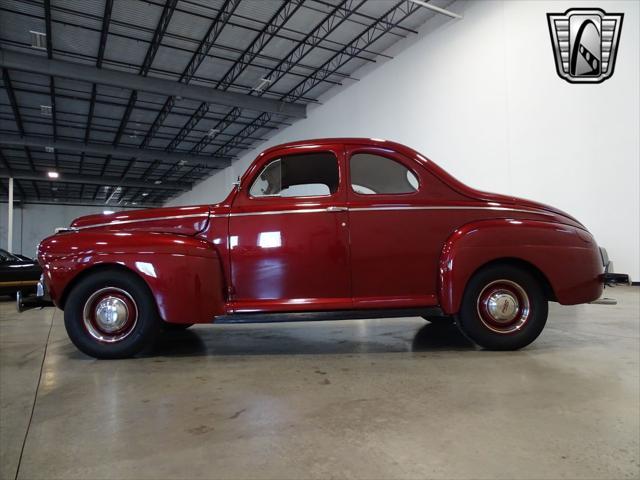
{"x": 327, "y": 315}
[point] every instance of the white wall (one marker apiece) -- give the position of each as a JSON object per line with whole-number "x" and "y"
{"x": 481, "y": 97}
{"x": 32, "y": 223}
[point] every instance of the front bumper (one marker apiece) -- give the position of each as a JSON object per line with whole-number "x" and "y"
{"x": 39, "y": 301}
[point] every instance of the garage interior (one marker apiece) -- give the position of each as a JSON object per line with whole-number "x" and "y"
{"x": 114, "y": 105}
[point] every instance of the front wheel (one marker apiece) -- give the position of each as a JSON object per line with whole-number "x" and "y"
{"x": 175, "y": 327}
{"x": 111, "y": 314}
{"x": 440, "y": 319}
{"x": 503, "y": 308}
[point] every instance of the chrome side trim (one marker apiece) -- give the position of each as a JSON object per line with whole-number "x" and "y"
{"x": 136, "y": 220}
{"x": 306, "y": 210}
{"x": 279, "y": 212}
{"x": 503, "y": 209}
{"x": 391, "y": 208}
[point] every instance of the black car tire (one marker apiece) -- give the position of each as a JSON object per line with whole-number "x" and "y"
{"x": 482, "y": 295}
{"x": 175, "y": 327}
{"x": 128, "y": 289}
{"x": 440, "y": 320}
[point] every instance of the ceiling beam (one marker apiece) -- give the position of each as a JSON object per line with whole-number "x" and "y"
{"x": 108, "y": 149}
{"x": 62, "y": 68}
{"x": 92, "y": 180}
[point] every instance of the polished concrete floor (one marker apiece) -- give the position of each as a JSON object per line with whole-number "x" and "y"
{"x": 391, "y": 398}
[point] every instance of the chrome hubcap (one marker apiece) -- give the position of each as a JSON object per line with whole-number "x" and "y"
{"x": 110, "y": 315}
{"x": 503, "y": 306}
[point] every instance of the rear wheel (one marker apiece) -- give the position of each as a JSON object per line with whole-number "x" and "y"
{"x": 111, "y": 314}
{"x": 503, "y": 308}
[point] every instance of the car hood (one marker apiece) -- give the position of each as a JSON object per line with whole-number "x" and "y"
{"x": 180, "y": 220}
{"x": 525, "y": 204}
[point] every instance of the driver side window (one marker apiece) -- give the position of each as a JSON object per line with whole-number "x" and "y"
{"x": 304, "y": 175}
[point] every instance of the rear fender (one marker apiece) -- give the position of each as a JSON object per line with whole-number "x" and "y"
{"x": 566, "y": 256}
{"x": 183, "y": 273}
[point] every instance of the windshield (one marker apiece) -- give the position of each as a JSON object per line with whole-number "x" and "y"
{"x": 6, "y": 256}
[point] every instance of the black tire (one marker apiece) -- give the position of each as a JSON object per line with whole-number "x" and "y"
{"x": 440, "y": 320}
{"x": 175, "y": 327}
{"x": 476, "y": 320}
{"x": 140, "y": 334}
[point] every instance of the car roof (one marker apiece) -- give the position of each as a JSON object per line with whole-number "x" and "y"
{"x": 372, "y": 142}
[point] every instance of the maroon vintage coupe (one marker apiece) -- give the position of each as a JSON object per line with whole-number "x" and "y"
{"x": 323, "y": 229}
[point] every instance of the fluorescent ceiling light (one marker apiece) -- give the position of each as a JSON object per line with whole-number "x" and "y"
{"x": 49, "y": 149}
{"x": 38, "y": 40}
{"x": 53, "y": 174}
{"x": 431, "y": 7}
{"x": 213, "y": 132}
{"x": 261, "y": 86}
{"x": 46, "y": 110}
{"x": 145, "y": 194}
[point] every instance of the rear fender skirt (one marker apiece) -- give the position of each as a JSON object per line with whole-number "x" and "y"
{"x": 567, "y": 256}
{"x": 183, "y": 273}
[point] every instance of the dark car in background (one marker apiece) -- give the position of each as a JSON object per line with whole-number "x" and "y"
{"x": 18, "y": 273}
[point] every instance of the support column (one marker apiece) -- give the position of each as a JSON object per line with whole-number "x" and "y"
{"x": 10, "y": 218}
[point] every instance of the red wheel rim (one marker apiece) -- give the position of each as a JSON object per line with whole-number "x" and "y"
{"x": 110, "y": 315}
{"x": 503, "y": 307}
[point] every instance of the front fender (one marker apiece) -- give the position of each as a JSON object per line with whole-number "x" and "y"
{"x": 183, "y": 273}
{"x": 568, "y": 257}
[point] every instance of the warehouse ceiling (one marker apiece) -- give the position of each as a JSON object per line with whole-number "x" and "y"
{"x": 132, "y": 102}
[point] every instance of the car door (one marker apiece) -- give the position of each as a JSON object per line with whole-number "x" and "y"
{"x": 288, "y": 233}
{"x": 395, "y": 241}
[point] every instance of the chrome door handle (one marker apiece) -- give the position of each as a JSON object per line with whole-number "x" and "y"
{"x": 336, "y": 209}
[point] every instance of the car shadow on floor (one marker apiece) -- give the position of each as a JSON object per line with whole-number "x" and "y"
{"x": 299, "y": 339}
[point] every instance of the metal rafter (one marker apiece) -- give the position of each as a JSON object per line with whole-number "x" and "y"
{"x": 242, "y": 134}
{"x": 77, "y": 71}
{"x": 183, "y": 39}
{"x": 12, "y": 100}
{"x": 271, "y": 28}
{"x": 222, "y": 125}
{"x": 247, "y": 131}
{"x": 104, "y": 33}
{"x": 16, "y": 111}
{"x": 92, "y": 180}
{"x": 159, "y": 32}
{"x": 384, "y": 24}
{"x": 367, "y": 20}
{"x": 196, "y": 60}
{"x": 108, "y": 149}
{"x": 5, "y": 163}
{"x": 332, "y": 21}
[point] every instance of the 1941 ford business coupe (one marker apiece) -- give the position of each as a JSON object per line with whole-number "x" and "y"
{"x": 324, "y": 229}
